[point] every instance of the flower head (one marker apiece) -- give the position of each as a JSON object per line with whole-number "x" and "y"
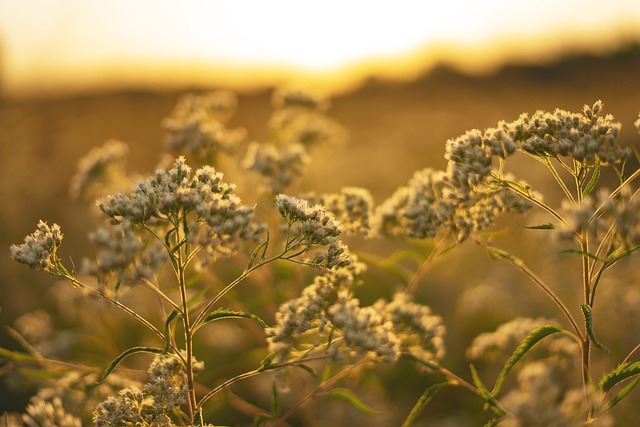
{"x": 39, "y": 248}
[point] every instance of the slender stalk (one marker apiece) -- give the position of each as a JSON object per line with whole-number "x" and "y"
{"x": 520, "y": 265}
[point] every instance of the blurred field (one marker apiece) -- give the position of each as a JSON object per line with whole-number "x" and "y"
{"x": 395, "y": 129}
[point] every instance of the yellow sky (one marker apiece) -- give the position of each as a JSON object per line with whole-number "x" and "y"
{"x": 75, "y": 44}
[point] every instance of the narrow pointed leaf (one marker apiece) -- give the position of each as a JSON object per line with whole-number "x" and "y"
{"x": 593, "y": 181}
{"x": 547, "y": 226}
{"x": 525, "y": 345}
{"x": 422, "y": 402}
{"x": 276, "y": 400}
{"x": 353, "y": 399}
{"x": 480, "y": 385}
{"x": 588, "y": 320}
{"x": 167, "y": 324}
{"x": 261, "y": 247}
{"x": 224, "y": 313}
{"x": 620, "y": 373}
{"x": 124, "y": 355}
{"x": 622, "y": 393}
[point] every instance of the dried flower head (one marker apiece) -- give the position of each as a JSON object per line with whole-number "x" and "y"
{"x": 197, "y": 124}
{"x": 279, "y": 166}
{"x": 352, "y": 206}
{"x": 49, "y": 413}
{"x": 39, "y": 248}
{"x": 102, "y": 168}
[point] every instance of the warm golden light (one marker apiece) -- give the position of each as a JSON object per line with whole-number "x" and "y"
{"x": 73, "y": 44}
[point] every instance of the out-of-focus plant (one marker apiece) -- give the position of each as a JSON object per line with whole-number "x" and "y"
{"x": 187, "y": 222}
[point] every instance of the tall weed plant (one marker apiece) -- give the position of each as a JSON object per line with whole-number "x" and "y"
{"x": 217, "y": 293}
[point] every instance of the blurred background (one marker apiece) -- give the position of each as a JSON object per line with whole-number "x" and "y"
{"x": 403, "y": 78}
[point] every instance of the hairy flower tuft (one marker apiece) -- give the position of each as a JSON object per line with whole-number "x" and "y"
{"x": 39, "y": 248}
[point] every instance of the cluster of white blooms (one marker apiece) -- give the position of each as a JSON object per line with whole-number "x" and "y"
{"x": 41, "y": 413}
{"x": 168, "y": 382}
{"x": 505, "y": 338}
{"x": 155, "y": 403}
{"x": 430, "y": 203}
{"x": 309, "y": 310}
{"x": 364, "y": 329}
{"x": 352, "y": 207}
{"x": 418, "y": 209}
{"x": 384, "y": 330}
{"x": 39, "y": 248}
{"x": 102, "y": 166}
{"x": 579, "y": 136}
{"x": 300, "y": 117}
{"x": 197, "y": 123}
{"x": 221, "y": 221}
{"x": 419, "y": 331}
{"x": 279, "y": 166}
{"x": 541, "y": 400}
{"x": 314, "y": 225}
{"x": 599, "y": 212}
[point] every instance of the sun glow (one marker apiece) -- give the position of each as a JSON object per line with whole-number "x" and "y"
{"x": 71, "y": 44}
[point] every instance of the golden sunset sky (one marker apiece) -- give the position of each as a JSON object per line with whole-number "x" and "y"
{"x": 61, "y": 45}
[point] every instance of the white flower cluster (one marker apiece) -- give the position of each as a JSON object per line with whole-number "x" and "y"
{"x": 384, "y": 330}
{"x": 280, "y": 167}
{"x": 419, "y": 331}
{"x": 309, "y": 310}
{"x": 314, "y": 225}
{"x": 154, "y": 405}
{"x": 579, "y": 136}
{"x": 505, "y": 338}
{"x": 599, "y": 212}
{"x": 220, "y": 220}
{"x": 541, "y": 400}
{"x": 39, "y": 248}
{"x": 197, "y": 123}
{"x": 102, "y": 166}
{"x": 300, "y": 117}
{"x": 352, "y": 207}
{"x": 430, "y": 203}
{"x": 49, "y": 413}
{"x": 364, "y": 329}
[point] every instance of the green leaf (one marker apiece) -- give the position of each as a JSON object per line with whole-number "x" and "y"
{"x": 492, "y": 422}
{"x": 581, "y": 253}
{"x": 117, "y": 287}
{"x": 16, "y": 356}
{"x": 125, "y": 354}
{"x": 197, "y": 298}
{"x": 167, "y": 324}
{"x": 547, "y": 226}
{"x": 588, "y": 321}
{"x": 353, "y": 399}
{"x": 267, "y": 362}
{"x": 422, "y": 402}
{"x": 621, "y": 254}
{"x": 276, "y": 400}
{"x": 622, "y": 393}
{"x": 620, "y": 373}
{"x": 480, "y": 385}
{"x": 309, "y": 369}
{"x": 525, "y": 345}
{"x": 593, "y": 181}
{"x": 261, "y": 247}
{"x": 225, "y": 313}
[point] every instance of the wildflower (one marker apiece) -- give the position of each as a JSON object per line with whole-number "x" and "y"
{"x": 43, "y": 413}
{"x": 309, "y": 310}
{"x": 506, "y": 337}
{"x": 416, "y": 210}
{"x": 468, "y": 160}
{"x": 197, "y": 124}
{"x": 315, "y": 225}
{"x": 420, "y": 332}
{"x": 279, "y": 166}
{"x": 352, "y": 207}
{"x": 168, "y": 382}
{"x": 285, "y": 97}
{"x": 124, "y": 409}
{"x": 541, "y": 399}
{"x": 364, "y": 329}
{"x": 39, "y": 248}
{"x": 580, "y": 136}
{"x": 220, "y": 220}
{"x": 101, "y": 166}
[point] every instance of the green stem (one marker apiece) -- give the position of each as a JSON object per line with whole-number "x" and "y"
{"x": 520, "y": 265}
